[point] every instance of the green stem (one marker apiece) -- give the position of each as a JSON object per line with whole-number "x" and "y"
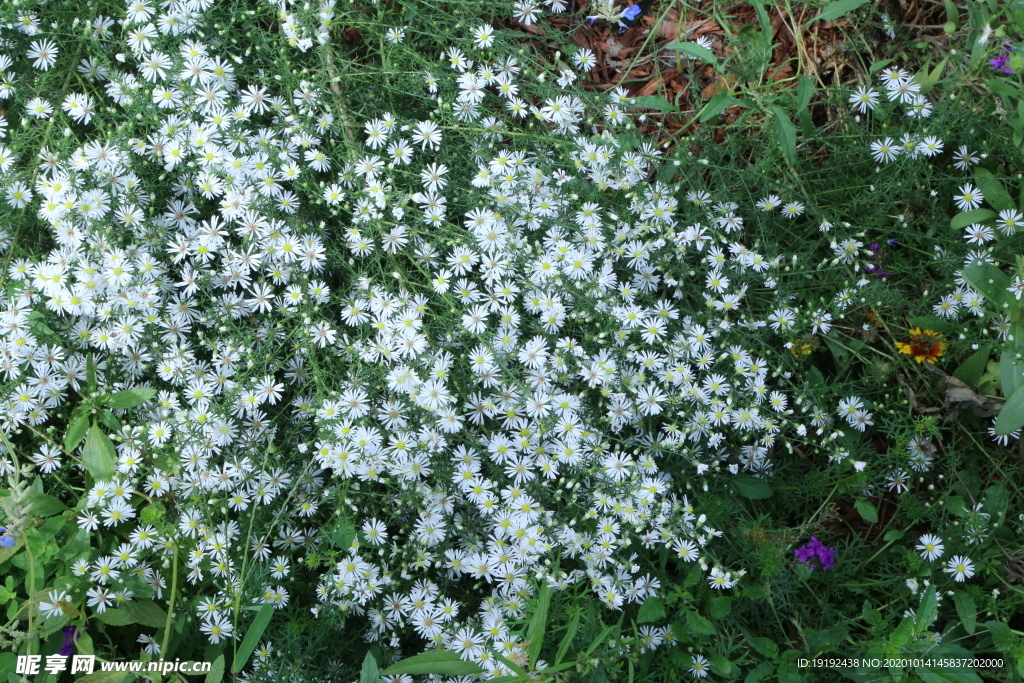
{"x": 170, "y": 602}
{"x": 31, "y": 594}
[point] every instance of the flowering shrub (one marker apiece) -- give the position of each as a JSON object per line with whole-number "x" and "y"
{"x": 444, "y": 361}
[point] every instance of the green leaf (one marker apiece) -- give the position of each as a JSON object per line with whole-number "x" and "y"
{"x": 787, "y": 133}
{"x": 538, "y": 624}
{"x": 369, "y": 672}
{"x": 115, "y": 617}
{"x": 440, "y": 662}
{"x": 879, "y": 65}
{"x": 216, "y": 672}
{"x": 109, "y": 420}
{"x": 927, "y": 610}
{"x": 44, "y": 505}
{"x": 252, "y": 637}
{"x": 893, "y": 535}
{"x": 866, "y": 510}
{"x": 1011, "y": 373}
{"x": 837, "y": 9}
{"x": 696, "y": 51}
{"x": 720, "y": 664}
{"x": 567, "y": 640}
{"x": 952, "y": 13}
{"x": 902, "y": 634}
{"x": 930, "y": 322}
{"x": 804, "y": 92}
{"x": 947, "y": 675}
{"x": 1001, "y": 86}
{"x": 90, "y": 374}
{"x": 146, "y": 612}
{"x": 107, "y": 677}
{"x": 130, "y": 398}
{"x": 765, "y": 646}
{"x": 343, "y": 535}
{"x": 966, "y": 610}
{"x": 751, "y": 487}
{"x": 1002, "y": 635}
{"x": 654, "y": 102}
{"x": 989, "y": 280}
{"x": 972, "y": 369}
{"x": 995, "y": 194}
{"x": 719, "y": 606}
{"x": 99, "y": 455}
{"x": 76, "y": 432}
{"x": 653, "y": 609}
{"x": 760, "y": 672}
{"x": 965, "y": 218}
{"x": 717, "y": 104}
{"x": 698, "y": 625}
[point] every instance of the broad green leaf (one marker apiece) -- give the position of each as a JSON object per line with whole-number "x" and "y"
{"x": 717, "y": 104}
{"x": 751, "y": 487}
{"x": 721, "y": 664}
{"x": 927, "y": 610}
{"x": 719, "y": 606}
{"x": 567, "y": 640}
{"x": 115, "y": 617}
{"x": 1001, "y": 86}
{"x": 696, "y": 51}
{"x": 698, "y": 625}
{"x": 109, "y": 420}
{"x": 966, "y": 610}
{"x": 765, "y": 21}
{"x": 1002, "y": 635}
{"x": 441, "y": 662}
{"x": 947, "y": 675}
{"x": 216, "y": 672}
{"x": 107, "y": 677}
{"x": 804, "y": 93}
{"x": 930, "y": 322}
{"x": 1011, "y": 417}
{"x": 972, "y": 369}
{"x": 653, "y": 609}
{"x": 965, "y": 218}
{"x": 84, "y": 644}
{"x": 252, "y": 637}
{"x": 995, "y": 194}
{"x": 369, "y": 672}
{"x": 76, "y": 432}
{"x": 601, "y": 637}
{"x": 866, "y": 510}
{"x": 893, "y": 535}
{"x": 989, "y": 280}
{"x": 147, "y": 613}
{"x": 44, "y": 505}
{"x": 1011, "y": 373}
{"x": 787, "y": 133}
{"x": 837, "y": 9}
{"x": 654, "y": 102}
{"x": 765, "y": 646}
{"x": 760, "y": 672}
{"x": 538, "y": 624}
{"x": 879, "y": 65}
{"x": 99, "y": 455}
{"x": 902, "y": 634}
{"x": 130, "y": 398}
{"x": 90, "y": 374}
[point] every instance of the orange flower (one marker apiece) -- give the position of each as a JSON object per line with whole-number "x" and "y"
{"x": 925, "y": 345}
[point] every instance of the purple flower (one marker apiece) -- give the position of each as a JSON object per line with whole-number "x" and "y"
{"x": 68, "y": 648}
{"x": 632, "y": 12}
{"x": 1001, "y": 62}
{"x": 5, "y": 541}
{"x": 815, "y": 550}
